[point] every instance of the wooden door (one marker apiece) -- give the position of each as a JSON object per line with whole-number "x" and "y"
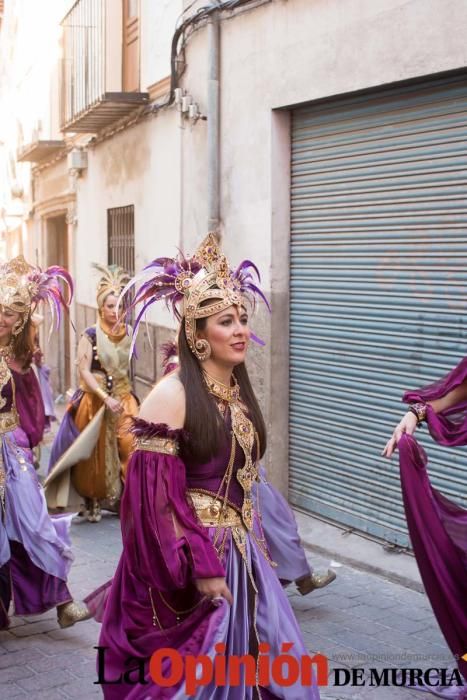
{"x": 130, "y": 46}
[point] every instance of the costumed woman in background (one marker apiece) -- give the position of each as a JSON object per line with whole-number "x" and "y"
{"x": 104, "y": 366}
{"x": 35, "y": 553}
{"x": 195, "y": 571}
{"x": 437, "y": 526}
{"x": 279, "y": 524}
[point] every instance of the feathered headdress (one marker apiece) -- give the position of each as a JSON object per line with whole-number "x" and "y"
{"x": 23, "y": 287}
{"x": 113, "y": 280}
{"x": 195, "y": 287}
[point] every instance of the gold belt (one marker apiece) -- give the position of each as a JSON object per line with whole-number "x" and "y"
{"x": 120, "y": 387}
{"x": 212, "y": 512}
{"x": 8, "y": 421}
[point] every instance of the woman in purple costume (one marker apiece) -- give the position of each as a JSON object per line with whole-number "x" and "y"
{"x": 35, "y": 554}
{"x": 437, "y": 526}
{"x": 279, "y": 524}
{"x": 195, "y": 571}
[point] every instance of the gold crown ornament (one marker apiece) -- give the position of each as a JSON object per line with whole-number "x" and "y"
{"x": 195, "y": 287}
{"x": 22, "y": 288}
{"x": 16, "y": 289}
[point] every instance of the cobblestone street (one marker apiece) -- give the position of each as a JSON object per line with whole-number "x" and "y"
{"x": 361, "y": 620}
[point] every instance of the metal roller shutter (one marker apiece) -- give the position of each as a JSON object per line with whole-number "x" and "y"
{"x": 378, "y": 291}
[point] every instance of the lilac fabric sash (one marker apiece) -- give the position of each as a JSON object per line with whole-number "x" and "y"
{"x": 281, "y": 532}
{"x": 67, "y": 432}
{"x": 437, "y": 526}
{"x": 26, "y": 520}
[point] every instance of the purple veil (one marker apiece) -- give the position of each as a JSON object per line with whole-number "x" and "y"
{"x": 437, "y": 526}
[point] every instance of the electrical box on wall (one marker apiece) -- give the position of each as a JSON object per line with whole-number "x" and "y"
{"x": 77, "y": 159}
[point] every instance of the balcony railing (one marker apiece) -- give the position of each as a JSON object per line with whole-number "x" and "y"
{"x": 91, "y": 92}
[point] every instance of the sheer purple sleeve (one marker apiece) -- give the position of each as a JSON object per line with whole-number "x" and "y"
{"x": 162, "y": 536}
{"x": 447, "y": 427}
{"x": 438, "y": 532}
{"x": 30, "y": 405}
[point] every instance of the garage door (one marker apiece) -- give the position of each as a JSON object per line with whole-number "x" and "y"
{"x": 378, "y": 291}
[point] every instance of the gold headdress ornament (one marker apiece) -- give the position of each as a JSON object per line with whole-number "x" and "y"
{"x": 196, "y": 287}
{"x": 210, "y": 291}
{"x": 16, "y": 289}
{"x": 23, "y": 287}
{"x": 113, "y": 280}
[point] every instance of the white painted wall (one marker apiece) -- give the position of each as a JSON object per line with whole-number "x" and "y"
{"x": 30, "y": 53}
{"x": 158, "y": 19}
{"x": 29, "y": 60}
{"x": 139, "y": 166}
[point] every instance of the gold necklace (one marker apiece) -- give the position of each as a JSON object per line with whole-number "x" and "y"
{"x": 222, "y": 391}
{"x": 5, "y": 373}
{"x": 244, "y": 432}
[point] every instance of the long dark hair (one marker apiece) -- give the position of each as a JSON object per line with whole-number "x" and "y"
{"x": 23, "y": 344}
{"x": 203, "y": 420}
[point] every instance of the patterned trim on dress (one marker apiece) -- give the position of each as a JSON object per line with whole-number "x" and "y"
{"x": 157, "y": 444}
{"x": 8, "y": 421}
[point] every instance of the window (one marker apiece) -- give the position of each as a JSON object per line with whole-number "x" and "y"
{"x": 121, "y": 237}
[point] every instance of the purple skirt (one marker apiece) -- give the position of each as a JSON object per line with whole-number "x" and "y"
{"x": 264, "y": 615}
{"x": 32, "y": 591}
{"x": 35, "y": 549}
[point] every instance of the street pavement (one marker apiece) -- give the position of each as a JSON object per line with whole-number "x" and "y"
{"x": 361, "y": 620}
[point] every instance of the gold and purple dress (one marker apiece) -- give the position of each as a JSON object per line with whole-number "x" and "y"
{"x": 98, "y": 477}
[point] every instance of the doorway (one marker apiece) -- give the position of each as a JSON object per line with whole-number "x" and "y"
{"x": 56, "y": 347}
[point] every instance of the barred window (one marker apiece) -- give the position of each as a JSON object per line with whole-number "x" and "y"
{"x": 121, "y": 237}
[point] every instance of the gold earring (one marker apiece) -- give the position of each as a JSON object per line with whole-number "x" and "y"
{"x": 18, "y": 327}
{"x": 202, "y": 350}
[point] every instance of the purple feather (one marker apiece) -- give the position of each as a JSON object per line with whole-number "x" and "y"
{"x": 244, "y": 277}
{"x": 49, "y": 291}
{"x": 257, "y": 340}
{"x": 168, "y": 351}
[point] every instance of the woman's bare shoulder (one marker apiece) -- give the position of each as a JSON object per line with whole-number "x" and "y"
{"x": 165, "y": 403}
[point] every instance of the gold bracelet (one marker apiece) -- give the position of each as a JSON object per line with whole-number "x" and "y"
{"x": 419, "y": 411}
{"x": 101, "y": 393}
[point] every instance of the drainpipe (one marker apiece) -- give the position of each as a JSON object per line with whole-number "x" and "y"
{"x": 213, "y": 122}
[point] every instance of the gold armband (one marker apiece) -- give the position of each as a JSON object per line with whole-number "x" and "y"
{"x": 101, "y": 393}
